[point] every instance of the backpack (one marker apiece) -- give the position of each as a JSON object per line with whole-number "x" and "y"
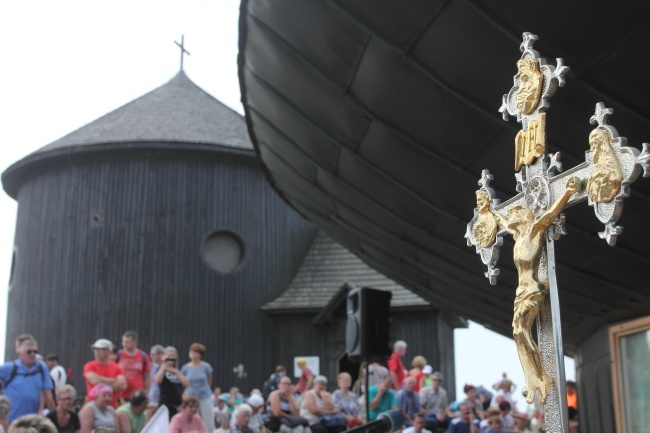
{"x": 270, "y": 385}
{"x": 14, "y": 373}
{"x": 119, "y": 355}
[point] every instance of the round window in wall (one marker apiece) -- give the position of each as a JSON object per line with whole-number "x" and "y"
{"x": 223, "y": 251}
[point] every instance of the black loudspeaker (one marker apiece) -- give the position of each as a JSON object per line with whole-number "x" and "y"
{"x": 367, "y": 331}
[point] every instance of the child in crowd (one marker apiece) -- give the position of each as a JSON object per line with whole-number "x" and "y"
{"x": 494, "y": 425}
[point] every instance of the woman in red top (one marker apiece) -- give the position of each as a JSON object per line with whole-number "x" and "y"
{"x": 418, "y": 364}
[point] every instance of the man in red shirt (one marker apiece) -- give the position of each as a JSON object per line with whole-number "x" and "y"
{"x": 103, "y": 370}
{"x": 395, "y": 365}
{"x": 136, "y": 365}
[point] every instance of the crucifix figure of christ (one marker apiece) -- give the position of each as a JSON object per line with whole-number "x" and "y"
{"x": 534, "y": 219}
{"x": 530, "y": 245}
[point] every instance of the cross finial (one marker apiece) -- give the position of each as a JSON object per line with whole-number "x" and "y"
{"x": 527, "y": 44}
{"x": 601, "y": 115}
{"x": 486, "y": 178}
{"x": 183, "y": 50}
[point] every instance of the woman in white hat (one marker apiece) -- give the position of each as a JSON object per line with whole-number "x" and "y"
{"x": 426, "y": 380}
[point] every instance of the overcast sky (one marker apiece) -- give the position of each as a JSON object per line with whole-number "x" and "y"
{"x": 66, "y": 63}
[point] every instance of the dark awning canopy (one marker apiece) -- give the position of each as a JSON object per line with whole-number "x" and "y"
{"x": 374, "y": 119}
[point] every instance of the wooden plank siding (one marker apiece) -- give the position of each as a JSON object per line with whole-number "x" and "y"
{"x": 110, "y": 242}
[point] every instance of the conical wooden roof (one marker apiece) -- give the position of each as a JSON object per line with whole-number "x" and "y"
{"x": 178, "y": 111}
{"x": 177, "y": 116}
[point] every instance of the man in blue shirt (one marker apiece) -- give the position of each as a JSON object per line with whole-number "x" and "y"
{"x": 408, "y": 401}
{"x": 465, "y": 423}
{"x": 26, "y": 381}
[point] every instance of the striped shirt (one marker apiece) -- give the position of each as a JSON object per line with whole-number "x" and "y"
{"x": 154, "y": 389}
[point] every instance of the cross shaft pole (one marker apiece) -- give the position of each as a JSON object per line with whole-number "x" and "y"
{"x": 183, "y": 50}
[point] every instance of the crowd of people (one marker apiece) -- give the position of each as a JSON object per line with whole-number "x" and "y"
{"x": 124, "y": 388}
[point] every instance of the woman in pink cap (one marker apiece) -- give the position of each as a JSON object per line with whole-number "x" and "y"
{"x": 98, "y": 415}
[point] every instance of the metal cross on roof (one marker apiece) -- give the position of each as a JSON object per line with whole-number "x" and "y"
{"x": 183, "y": 50}
{"x": 534, "y": 219}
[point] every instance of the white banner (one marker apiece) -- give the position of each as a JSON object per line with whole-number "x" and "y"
{"x": 159, "y": 422}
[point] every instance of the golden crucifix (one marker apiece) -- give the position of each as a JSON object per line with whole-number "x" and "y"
{"x": 533, "y": 217}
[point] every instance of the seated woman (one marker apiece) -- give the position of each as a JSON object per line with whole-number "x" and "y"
{"x": 346, "y": 401}
{"x": 187, "y": 420}
{"x": 474, "y": 402}
{"x": 63, "y": 417}
{"x": 284, "y": 410}
{"x": 98, "y": 414}
{"x": 130, "y": 417}
{"x": 317, "y": 403}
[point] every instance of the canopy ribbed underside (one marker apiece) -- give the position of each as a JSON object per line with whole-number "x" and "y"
{"x": 374, "y": 119}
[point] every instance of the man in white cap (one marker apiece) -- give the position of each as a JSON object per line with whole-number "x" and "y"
{"x": 103, "y": 370}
